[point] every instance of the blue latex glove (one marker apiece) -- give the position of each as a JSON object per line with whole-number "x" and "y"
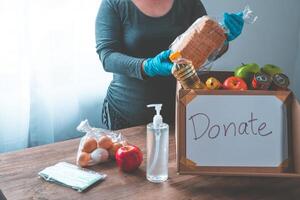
{"x": 160, "y": 65}
{"x": 234, "y": 23}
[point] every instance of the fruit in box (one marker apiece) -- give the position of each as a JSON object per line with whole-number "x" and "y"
{"x": 247, "y": 71}
{"x": 271, "y": 69}
{"x": 235, "y": 83}
{"x": 213, "y": 83}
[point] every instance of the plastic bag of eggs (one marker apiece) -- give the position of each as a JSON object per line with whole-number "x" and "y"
{"x": 97, "y": 150}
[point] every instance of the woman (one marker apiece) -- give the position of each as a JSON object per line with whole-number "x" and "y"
{"x": 130, "y": 34}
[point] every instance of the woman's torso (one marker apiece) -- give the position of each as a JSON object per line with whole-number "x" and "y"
{"x": 145, "y": 37}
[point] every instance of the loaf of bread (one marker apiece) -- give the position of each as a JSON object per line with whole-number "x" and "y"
{"x": 202, "y": 39}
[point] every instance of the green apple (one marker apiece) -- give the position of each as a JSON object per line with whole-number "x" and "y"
{"x": 271, "y": 69}
{"x": 247, "y": 71}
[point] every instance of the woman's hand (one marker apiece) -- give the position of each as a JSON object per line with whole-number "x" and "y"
{"x": 234, "y": 23}
{"x": 160, "y": 65}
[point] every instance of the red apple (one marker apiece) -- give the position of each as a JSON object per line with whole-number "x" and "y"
{"x": 235, "y": 83}
{"x": 129, "y": 158}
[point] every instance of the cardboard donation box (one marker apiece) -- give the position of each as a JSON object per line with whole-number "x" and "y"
{"x": 224, "y": 132}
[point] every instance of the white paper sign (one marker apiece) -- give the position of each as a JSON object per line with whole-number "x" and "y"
{"x": 236, "y": 131}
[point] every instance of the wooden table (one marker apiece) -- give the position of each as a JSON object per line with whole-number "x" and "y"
{"x": 19, "y": 179}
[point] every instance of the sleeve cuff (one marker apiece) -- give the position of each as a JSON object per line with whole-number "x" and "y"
{"x": 138, "y": 69}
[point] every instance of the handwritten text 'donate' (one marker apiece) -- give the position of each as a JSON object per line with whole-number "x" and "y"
{"x": 250, "y": 127}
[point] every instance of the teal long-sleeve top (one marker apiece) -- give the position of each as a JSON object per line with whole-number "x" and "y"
{"x": 125, "y": 37}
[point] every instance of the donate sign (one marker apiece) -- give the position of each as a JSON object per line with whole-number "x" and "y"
{"x": 236, "y": 131}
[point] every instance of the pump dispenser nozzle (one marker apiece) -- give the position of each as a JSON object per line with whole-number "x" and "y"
{"x": 157, "y": 119}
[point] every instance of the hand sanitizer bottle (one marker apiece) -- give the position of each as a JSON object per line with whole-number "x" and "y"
{"x": 157, "y": 148}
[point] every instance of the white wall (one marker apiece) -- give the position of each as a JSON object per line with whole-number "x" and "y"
{"x": 274, "y": 38}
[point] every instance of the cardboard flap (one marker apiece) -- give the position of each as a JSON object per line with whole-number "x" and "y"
{"x": 283, "y": 95}
{"x": 188, "y": 163}
{"x": 188, "y": 97}
{"x": 296, "y": 133}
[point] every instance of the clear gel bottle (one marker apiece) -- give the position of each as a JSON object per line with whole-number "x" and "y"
{"x": 157, "y": 148}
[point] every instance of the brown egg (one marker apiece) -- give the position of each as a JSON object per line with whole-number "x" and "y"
{"x": 84, "y": 159}
{"x": 90, "y": 144}
{"x": 112, "y": 151}
{"x": 105, "y": 142}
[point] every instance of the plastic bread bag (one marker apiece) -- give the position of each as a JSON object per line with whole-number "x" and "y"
{"x": 203, "y": 41}
{"x": 97, "y": 145}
